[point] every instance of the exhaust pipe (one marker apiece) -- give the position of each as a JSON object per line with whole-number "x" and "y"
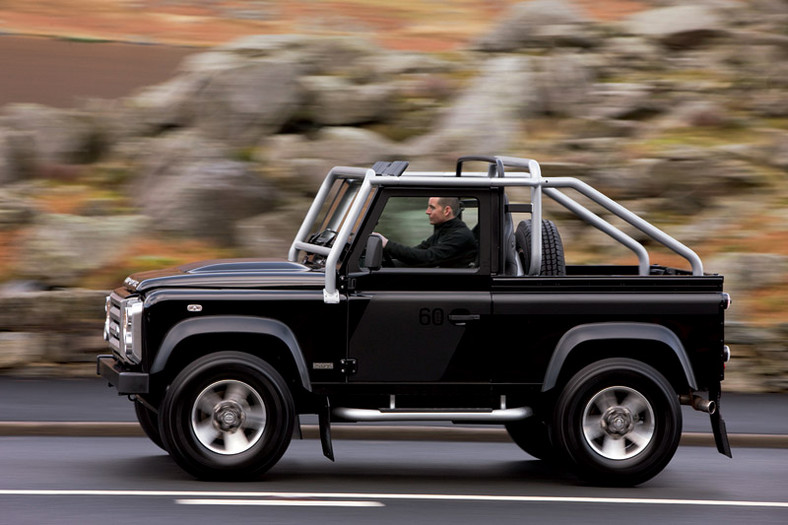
{"x": 698, "y": 403}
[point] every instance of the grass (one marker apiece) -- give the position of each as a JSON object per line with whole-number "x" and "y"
{"x": 76, "y": 198}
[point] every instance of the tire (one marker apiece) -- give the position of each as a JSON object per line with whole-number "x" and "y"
{"x": 553, "y": 261}
{"x": 618, "y": 422}
{"x": 533, "y": 436}
{"x": 149, "y": 421}
{"x": 228, "y": 415}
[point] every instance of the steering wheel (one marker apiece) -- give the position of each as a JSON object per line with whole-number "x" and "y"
{"x": 324, "y": 238}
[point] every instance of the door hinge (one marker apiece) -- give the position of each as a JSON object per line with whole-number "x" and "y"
{"x": 348, "y": 366}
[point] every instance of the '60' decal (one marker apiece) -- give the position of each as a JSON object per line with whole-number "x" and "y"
{"x": 431, "y": 316}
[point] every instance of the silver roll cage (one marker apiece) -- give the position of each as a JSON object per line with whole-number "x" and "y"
{"x": 523, "y": 173}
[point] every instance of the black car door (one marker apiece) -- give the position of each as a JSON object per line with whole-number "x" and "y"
{"x": 416, "y": 324}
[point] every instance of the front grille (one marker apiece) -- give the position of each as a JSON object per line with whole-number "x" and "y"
{"x": 112, "y": 326}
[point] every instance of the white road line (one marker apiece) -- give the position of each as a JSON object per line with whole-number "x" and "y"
{"x": 280, "y": 502}
{"x": 349, "y": 496}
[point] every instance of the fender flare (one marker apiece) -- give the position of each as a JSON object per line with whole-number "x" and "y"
{"x": 601, "y": 331}
{"x": 235, "y": 324}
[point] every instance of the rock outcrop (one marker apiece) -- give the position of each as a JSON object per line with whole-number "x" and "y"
{"x": 679, "y": 112}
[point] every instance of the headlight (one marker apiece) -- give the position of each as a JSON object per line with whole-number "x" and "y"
{"x": 107, "y": 317}
{"x": 131, "y": 329}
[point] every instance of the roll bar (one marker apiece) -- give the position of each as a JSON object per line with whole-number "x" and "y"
{"x": 524, "y": 173}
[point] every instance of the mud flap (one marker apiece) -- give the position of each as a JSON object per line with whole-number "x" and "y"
{"x": 324, "y": 421}
{"x": 718, "y": 424}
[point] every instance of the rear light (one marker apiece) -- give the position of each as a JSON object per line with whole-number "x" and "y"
{"x": 726, "y": 301}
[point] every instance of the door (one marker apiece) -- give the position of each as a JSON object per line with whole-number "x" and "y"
{"x": 414, "y": 323}
{"x": 418, "y": 336}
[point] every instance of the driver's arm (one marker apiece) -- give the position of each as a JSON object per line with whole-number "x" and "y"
{"x": 431, "y": 253}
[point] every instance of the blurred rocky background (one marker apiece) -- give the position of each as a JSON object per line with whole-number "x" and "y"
{"x": 677, "y": 110}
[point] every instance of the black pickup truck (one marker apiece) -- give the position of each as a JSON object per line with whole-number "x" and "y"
{"x": 585, "y": 366}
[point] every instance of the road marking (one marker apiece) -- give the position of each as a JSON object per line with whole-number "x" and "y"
{"x": 349, "y": 496}
{"x": 280, "y": 502}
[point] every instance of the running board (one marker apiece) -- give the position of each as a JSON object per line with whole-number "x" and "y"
{"x": 503, "y": 415}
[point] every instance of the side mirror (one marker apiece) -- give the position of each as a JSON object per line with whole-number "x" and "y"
{"x": 373, "y": 260}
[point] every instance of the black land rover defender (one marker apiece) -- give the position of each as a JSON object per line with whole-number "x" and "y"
{"x": 586, "y": 365}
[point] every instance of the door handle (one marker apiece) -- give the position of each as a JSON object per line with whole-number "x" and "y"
{"x": 462, "y": 319}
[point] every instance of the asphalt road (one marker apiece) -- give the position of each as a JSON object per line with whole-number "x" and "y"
{"x": 91, "y": 400}
{"x": 129, "y": 480}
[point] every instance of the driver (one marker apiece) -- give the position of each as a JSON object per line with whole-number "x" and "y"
{"x": 451, "y": 245}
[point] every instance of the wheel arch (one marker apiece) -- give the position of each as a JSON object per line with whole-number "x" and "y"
{"x": 241, "y": 327}
{"x": 591, "y": 338}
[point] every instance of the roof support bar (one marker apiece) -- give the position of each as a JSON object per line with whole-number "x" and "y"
{"x": 594, "y": 220}
{"x": 527, "y": 173}
{"x": 641, "y": 224}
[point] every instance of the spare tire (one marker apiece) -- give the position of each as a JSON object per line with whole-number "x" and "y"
{"x": 552, "y": 248}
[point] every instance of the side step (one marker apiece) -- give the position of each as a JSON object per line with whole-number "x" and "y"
{"x": 502, "y": 415}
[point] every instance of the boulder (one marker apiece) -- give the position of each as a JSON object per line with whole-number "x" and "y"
{"x": 747, "y": 272}
{"x": 19, "y": 349}
{"x": 203, "y": 199}
{"x": 778, "y": 152}
{"x": 271, "y": 234}
{"x": 244, "y": 104}
{"x": 41, "y": 331}
{"x": 58, "y": 136}
{"x": 697, "y": 113}
{"x": 300, "y": 163}
{"x": 68, "y": 310}
{"x": 156, "y": 157}
{"x": 17, "y": 155}
{"x": 164, "y": 106}
{"x": 690, "y": 180}
{"x": 389, "y": 65}
{"x": 15, "y": 211}
{"x": 562, "y": 84}
{"x": 631, "y": 52}
{"x": 487, "y": 116}
{"x": 540, "y": 23}
{"x": 622, "y": 100}
{"x": 60, "y": 249}
{"x": 679, "y": 27}
{"x": 336, "y": 101}
{"x": 254, "y": 86}
{"x": 316, "y": 55}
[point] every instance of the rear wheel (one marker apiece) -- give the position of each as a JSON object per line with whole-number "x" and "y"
{"x": 227, "y": 415}
{"x": 618, "y": 421}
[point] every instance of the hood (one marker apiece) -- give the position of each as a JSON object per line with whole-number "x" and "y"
{"x": 228, "y": 273}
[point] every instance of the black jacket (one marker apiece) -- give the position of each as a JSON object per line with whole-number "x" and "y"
{"x": 452, "y": 245}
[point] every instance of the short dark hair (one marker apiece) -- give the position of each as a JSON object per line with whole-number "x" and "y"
{"x": 451, "y": 202}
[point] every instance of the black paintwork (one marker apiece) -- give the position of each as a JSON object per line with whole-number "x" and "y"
{"x": 437, "y": 338}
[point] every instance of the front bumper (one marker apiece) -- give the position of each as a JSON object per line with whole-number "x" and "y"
{"x": 126, "y": 381}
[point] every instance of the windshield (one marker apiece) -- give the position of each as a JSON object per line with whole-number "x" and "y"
{"x": 336, "y": 208}
{"x": 331, "y": 219}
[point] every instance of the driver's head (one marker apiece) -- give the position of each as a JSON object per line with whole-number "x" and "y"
{"x": 442, "y": 209}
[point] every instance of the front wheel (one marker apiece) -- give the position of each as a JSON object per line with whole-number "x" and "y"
{"x": 228, "y": 415}
{"x": 618, "y": 421}
{"x": 149, "y": 422}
